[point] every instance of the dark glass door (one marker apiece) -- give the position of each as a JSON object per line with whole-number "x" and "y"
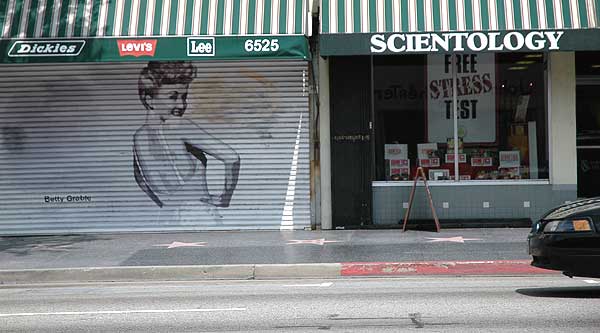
{"x": 351, "y": 136}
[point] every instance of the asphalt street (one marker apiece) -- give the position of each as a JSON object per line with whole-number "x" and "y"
{"x": 424, "y": 304}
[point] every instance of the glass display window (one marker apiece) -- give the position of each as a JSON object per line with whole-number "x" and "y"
{"x": 501, "y": 123}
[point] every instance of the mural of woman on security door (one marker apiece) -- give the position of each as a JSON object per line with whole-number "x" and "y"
{"x": 169, "y": 149}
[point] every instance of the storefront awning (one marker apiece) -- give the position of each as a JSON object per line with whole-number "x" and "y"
{"x": 125, "y": 30}
{"x": 361, "y": 27}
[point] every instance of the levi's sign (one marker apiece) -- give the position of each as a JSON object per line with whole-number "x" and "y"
{"x": 136, "y": 47}
{"x": 466, "y": 41}
{"x": 58, "y": 48}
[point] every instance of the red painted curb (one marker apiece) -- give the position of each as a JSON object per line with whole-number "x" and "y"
{"x": 492, "y": 267}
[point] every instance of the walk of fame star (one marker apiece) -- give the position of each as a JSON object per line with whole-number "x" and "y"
{"x": 182, "y": 244}
{"x": 457, "y": 239}
{"x": 52, "y": 247}
{"x": 321, "y": 241}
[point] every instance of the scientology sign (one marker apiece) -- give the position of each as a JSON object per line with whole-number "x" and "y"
{"x": 465, "y": 42}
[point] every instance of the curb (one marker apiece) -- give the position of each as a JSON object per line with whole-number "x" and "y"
{"x": 127, "y": 274}
{"x": 267, "y": 271}
{"x": 324, "y": 271}
{"x": 169, "y": 273}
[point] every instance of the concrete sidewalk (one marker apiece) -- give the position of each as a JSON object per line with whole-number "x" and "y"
{"x": 256, "y": 254}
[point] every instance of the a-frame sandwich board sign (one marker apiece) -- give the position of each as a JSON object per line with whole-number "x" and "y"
{"x": 421, "y": 174}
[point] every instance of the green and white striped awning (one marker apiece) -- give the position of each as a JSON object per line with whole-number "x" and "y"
{"x": 362, "y": 27}
{"x": 370, "y": 16}
{"x": 91, "y": 18}
{"x": 142, "y": 30}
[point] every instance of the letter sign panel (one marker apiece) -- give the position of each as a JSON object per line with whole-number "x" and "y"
{"x": 476, "y": 102}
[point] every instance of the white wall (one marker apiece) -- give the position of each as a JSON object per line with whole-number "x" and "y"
{"x": 563, "y": 149}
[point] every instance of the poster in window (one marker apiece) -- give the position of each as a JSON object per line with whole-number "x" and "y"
{"x": 427, "y": 150}
{"x": 427, "y": 154}
{"x": 476, "y": 102}
{"x": 439, "y": 174}
{"x": 395, "y": 151}
{"x": 510, "y": 159}
{"x": 399, "y": 169}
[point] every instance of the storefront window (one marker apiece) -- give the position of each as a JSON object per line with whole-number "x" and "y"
{"x": 501, "y": 126}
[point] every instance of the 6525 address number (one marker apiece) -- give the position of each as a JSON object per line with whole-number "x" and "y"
{"x": 261, "y": 45}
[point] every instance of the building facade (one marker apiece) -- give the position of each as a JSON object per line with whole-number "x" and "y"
{"x": 151, "y": 115}
{"x": 494, "y": 100}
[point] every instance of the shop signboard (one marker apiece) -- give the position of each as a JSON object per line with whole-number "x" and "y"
{"x": 34, "y": 48}
{"x": 332, "y": 44}
{"x": 476, "y": 102}
{"x": 128, "y": 49}
{"x": 461, "y": 41}
{"x": 137, "y": 47}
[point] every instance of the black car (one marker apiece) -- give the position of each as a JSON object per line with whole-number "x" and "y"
{"x": 567, "y": 239}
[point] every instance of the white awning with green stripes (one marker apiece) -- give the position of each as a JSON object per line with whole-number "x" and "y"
{"x": 90, "y": 18}
{"x": 369, "y": 16}
{"x": 361, "y": 27}
{"x": 142, "y": 30}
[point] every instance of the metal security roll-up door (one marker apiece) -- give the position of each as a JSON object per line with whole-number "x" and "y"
{"x": 110, "y": 147}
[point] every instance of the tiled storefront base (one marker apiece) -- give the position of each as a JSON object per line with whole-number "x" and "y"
{"x": 507, "y": 200}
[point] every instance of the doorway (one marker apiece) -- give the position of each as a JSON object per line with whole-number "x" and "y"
{"x": 588, "y": 123}
{"x": 588, "y": 139}
{"x": 351, "y": 145}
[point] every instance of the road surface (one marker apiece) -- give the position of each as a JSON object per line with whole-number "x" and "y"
{"x": 424, "y": 304}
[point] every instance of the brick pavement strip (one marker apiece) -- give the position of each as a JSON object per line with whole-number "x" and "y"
{"x": 483, "y": 267}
